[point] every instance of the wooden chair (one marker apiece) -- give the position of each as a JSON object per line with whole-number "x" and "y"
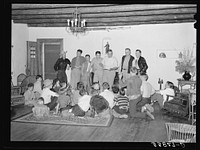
{"x": 26, "y": 81}
{"x": 177, "y": 132}
{"x": 20, "y": 78}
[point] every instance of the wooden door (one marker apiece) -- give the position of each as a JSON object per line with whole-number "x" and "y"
{"x": 51, "y": 54}
{"x": 31, "y": 66}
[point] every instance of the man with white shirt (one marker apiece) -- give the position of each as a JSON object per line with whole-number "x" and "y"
{"x": 140, "y": 63}
{"x": 110, "y": 65}
{"x": 108, "y": 95}
{"x": 85, "y": 72}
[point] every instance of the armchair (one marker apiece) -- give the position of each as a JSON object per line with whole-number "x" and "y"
{"x": 179, "y": 105}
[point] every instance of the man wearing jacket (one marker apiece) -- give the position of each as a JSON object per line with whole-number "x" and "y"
{"x": 126, "y": 64}
{"x": 61, "y": 65}
{"x": 140, "y": 63}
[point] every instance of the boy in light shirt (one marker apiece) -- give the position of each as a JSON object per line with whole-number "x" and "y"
{"x": 107, "y": 94}
{"x": 146, "y": 90}
{"x": 161, "y": 96}
{"x": 50, "y": 97}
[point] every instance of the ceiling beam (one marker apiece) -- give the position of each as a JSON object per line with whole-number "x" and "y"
{"x": 113, "y": 19}
{"x": 104, "y": 9}
{"x": 53, "y": 6}
{"x": 115, "y": 24}
{"x": 110, "y": 14}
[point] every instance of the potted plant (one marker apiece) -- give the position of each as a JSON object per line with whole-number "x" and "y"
{"x": 185, "y": 64}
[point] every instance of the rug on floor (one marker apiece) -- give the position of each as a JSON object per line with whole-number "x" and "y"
{"x": 19, "y": 111}
{"x": 66, "y": 120}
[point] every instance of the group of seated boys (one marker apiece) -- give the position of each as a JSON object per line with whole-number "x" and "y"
{"x": 60, "y": 98}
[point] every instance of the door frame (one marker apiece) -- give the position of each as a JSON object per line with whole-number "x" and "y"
{"x": 40, "y": 46}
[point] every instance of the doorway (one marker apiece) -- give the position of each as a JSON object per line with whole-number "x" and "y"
{"x": 50, "y": 50}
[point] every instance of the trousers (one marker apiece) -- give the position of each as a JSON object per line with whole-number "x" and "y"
{"x": 75, "y": 77}
{"x": 108, "y": 76}
{"x": 61, "y": 75}
{"x": 133, "y": 108}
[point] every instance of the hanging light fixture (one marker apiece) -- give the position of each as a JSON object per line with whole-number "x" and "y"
{"x": 76, "y": 25}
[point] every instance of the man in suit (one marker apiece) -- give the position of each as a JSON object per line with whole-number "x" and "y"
{"x": 126, "y": 64}
{"x": 140, "y": 63}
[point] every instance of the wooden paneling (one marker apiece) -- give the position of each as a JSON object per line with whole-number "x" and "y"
{"x": 112, "y": 24}
{"x": 114, "y": 19}
{"x": 117, "y": 8}
{"x": 190, "y": 10}
{"x": 96, "y": 15}
{"x": 42, "y": 6}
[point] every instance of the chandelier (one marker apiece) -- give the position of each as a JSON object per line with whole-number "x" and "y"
{"x": 76, "y": 25}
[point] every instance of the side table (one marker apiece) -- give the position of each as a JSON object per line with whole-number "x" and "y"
{"x": 182, "y": 83}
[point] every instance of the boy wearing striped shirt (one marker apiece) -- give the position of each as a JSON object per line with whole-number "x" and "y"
{"x": 121, "y": 107}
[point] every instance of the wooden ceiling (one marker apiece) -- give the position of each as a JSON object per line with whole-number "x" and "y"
{"x": 103, "y": 15}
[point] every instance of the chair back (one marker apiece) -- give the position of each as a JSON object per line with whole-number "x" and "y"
{"x": 177, "y": 132}
{"x": 20, "y": 78}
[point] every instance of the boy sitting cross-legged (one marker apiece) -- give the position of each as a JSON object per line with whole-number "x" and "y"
{"x": 83, "y": 104}
{"x": 121, "y": 107}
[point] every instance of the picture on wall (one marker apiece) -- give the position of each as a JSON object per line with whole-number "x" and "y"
{"x": 169, "y": 54}
{"x": 106, "y": 44}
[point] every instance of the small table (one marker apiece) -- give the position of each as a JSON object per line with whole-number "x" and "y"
{"x": 182, "y": 83}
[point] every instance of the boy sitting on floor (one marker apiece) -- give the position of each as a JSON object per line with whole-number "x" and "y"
{"x": 40, "y": 110}
{"x": 120, "y": 109}
{"x": 50, "y": 97}
{"x": 76, "y": 94}
{"x": 95, "y": 89}
{"x": 38, "y": 86}
{"x": 64, "y": 98}
{"x": 107, "y": 94}
{"x": 146, "y": 90}
{"x": 100, "y": 106}
{"x": 29, "y": 96}
{"x": 161, "y": 96}
{"x": 83, "y": 104}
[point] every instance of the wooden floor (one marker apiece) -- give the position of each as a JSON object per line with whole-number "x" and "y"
{"x": 121, "y": 130}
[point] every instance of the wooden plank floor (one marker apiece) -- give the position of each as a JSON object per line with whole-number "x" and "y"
{"x": 121, "y": 130}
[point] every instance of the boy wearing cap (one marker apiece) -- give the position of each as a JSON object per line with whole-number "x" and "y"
{"x": 47, "y": 95}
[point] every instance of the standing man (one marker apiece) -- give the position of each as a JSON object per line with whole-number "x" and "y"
{"x": 97, "y": 68}
{"x": 110, "y": 65}
{"x": 126, "y": 64}
{"x": 61, "y": 65}
{"x": 140, "y": 63}
{"x": 76, "y": 68}
{"x": 85, "y": 72}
